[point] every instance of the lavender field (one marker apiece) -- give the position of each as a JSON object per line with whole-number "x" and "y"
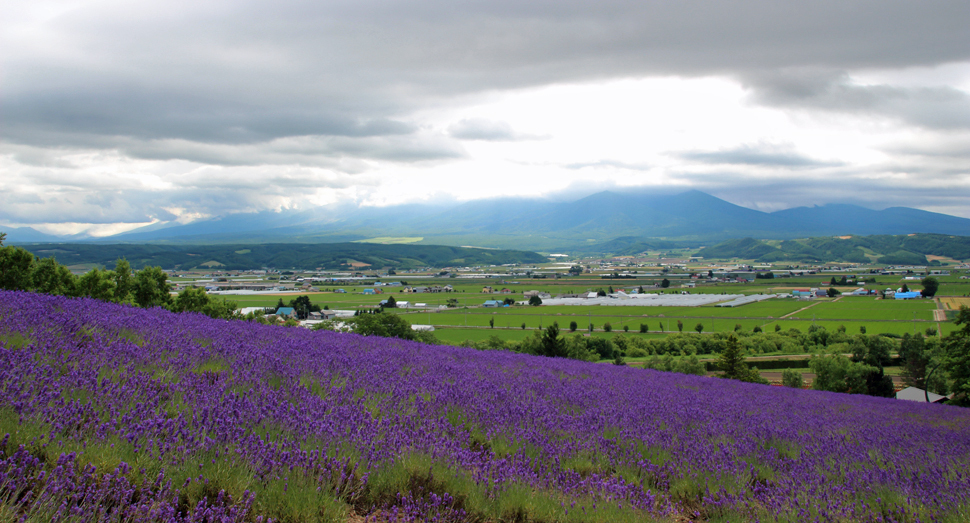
{"x": 122, "y": 414}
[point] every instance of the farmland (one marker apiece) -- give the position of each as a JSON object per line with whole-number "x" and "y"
{"x": 125, "y": 413}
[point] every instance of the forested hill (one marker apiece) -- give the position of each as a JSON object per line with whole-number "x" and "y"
{"x": 890, "y": 250}
{"x": 289, "y": 255}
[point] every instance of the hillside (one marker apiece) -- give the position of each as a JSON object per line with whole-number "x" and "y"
{"x": 140, "y": 414}
{"x": 888, "y": 250}
{"x": 296, "y": 256}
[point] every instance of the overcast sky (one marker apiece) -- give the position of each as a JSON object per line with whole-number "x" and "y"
{"x": 115, "y": 114}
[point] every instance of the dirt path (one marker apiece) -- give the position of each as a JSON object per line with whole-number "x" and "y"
{"x": 799, "y": 310}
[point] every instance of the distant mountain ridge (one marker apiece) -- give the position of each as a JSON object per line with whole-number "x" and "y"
{"x": 532, "y": 224}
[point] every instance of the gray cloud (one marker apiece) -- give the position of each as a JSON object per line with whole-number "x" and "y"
{"x": 757, "y": 155}
{"x": 942, "y": 107}
{"x": 337, "y": 84}
{"x": 252, "y": 71}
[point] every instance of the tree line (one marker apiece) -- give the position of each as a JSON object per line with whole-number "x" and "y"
{"x": 149, "y": 287}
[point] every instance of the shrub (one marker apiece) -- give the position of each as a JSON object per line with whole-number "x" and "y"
{"x": 791, "y": 378}
{"x": 572, "y": 326}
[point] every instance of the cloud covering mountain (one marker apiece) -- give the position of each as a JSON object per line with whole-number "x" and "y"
{"x": 119, "y": 114}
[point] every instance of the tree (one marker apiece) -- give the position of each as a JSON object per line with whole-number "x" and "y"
{"x": 732, "y": 363}
{"x": 905, "y": 288}
{"x": 573, "y": 326}
{"x": 302, "y": 306}
{"x": 777, "y": 327}
{"x": 832, "y": 292}
{"x": 600, "y": 292}
{"x": 193, "y": 299}
{"x": 956, "y": 347}
{"x": 382, "y": 324}
{"x": 151, "y": 288}
{"x": 611, "y": 290}
{"x": 836, "y": 373}
{"x": 551, "y": 344}
{"x": 643, "y": 328}
{"x": 699, "y": 328}
{"x": 607, "y": 327}
{"x": 680, "y": 326}
{"x": 50, "y": 277}
{"x": 791, "y": 378}
{"x": 930, "y": 286}
{"x": 15, "y": 268}
{"x": 97, "y": 284}
{"x": 523, "y": 325}
{"x": 124, "y": 284}
{"x": 665, "y": 283}
{"x": 535, "y": 301}
{"x": 491, "y": 323}
{"x": 737, "y": 327}
{"x": 391, "y": 303}
{"x": 912, "y": 350}
{"x": 832, "y": 281}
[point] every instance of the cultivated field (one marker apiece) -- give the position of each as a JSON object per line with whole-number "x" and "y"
{"x": 117, "y": 413}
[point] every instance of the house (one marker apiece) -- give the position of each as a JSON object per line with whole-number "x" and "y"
{"x": 492, "y": 303}
{"x": 448, "y": 288}
{"x": 591, "y": 295}
{"x": 529, "y": 294}
{"x": 340, "y": 291}
{"x": 916, "y": 394}
{"x": 369, "y": 291}
{"x": 487, "y": 289}
{"x": 286, "y": 312}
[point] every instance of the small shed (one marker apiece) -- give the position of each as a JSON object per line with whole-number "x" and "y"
{"x": 917, "y": 394}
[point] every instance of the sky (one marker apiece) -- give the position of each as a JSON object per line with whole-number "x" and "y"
{"x": 119, "y": 114}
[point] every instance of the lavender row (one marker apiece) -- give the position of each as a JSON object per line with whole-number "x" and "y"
{"x": 197, "y": 416}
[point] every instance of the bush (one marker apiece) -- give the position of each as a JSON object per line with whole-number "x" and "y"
{"x": 643, "y": 328}
{"x": 607, "y": 327}
{"x": 626, "y": 328}
{"x": 573, "y": 326}
{"x": 791, "y": 378}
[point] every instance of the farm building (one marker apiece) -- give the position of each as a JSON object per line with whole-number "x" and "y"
{"x": 492, "y": 303}
{"x": 285, "y": 311}
{"x": 917, "y": 394}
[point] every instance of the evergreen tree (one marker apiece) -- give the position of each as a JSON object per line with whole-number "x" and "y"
{"x": 551, "y": 344}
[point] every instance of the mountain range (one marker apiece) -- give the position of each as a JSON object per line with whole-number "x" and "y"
{"x": 586, "y": 224}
